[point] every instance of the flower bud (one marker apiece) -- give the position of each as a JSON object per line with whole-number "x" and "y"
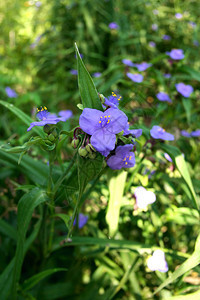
{"x": 51, "y": 137}
{"x": 102, "y": 98}
{"x": 92, "y": 155}
{"x": 55, "y": 133}
{"x": 75, "y": 143}
{"x": 82, "y": 152}
{"x": 47, "y": 128}
{"x": 148, "y": 151}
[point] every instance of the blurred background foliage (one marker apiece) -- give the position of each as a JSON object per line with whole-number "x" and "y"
{"x": 37, "y": 61}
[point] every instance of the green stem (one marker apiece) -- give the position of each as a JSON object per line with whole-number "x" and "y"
{"x": 74, "y": 216}
{"x": 62, "y": 177}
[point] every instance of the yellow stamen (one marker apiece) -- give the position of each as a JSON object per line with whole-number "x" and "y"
{"x": 130, "y": 157}
{"x": 124, "y": 159}
{"x": 99, "y": 121}
{"x": 108, "y": 116}
{"x": 105, "y": 117}
{"x": 126, "y": 163}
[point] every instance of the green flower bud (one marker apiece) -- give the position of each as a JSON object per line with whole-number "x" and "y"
{"x": 148, "y": 152}
{"x": 82, "y": 152}
{"x": 51, "y": 137}
{"x": 102, "y": 98}
{"x": 47, "y": 129}
{"x": 92, "y": 155}
{"x": 75, "y": 143}
{"x": 55, "y": 133}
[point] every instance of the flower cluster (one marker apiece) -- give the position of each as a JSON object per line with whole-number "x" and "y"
{"x": 104, "y": 129}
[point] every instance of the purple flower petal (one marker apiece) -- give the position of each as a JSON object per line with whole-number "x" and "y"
{"x": 184, "y": 89}
{"x": 128, "y": 62}
{"x": 65, "y": 114}
{"x": 123, "y": 158}
{"x": 135, "y": 77}
{"x": 89, "y": 120}
{"x": 143, "y": 66}
{"x": 195, "y": 133}
{"x": 158, "y": 132}
{"x": 113, "y": 25}
{"x": 103, "y": 141}
{"x": 176, "y": 54}
{"x": 161, "y": 96}
{"x": 82, "y": 220}
{"x": 166, "y": 155}
{"x": 10, "y": 92}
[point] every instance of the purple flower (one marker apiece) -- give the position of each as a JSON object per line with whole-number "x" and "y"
{"x": 113, "y": 25}
{"x": 134, "y": 132}
{"x": 128, "y": 62}
{"x": 166, "y": 37}
{"x": 46, "y": 118}
{"x": 144, "y": 197}
{"x": 82, "y": 220}
{"x": 10, "y": 92}
{"x": 143, "y": 66}
{"x": 103, "y": 127}
{"x": 157, "y": 262}
{"x": 152, "y": 44}
{"x": 113, "y": 100}
{"x": 166, "y": 155}
{"x": 184, "y": 89}
{"x": 65, "y": 114}
{"x": 158, "y": 132}
{"x": 185, "y": 133}
{"x": 195, "y": 133}
{"x": 176, "y": 54}
{"x": 154, "y": 27}
{"x": 97, "y": 74}
{"x": 123, "y": 158}
{"x": 74, "y": 72}
{"x": 167, "y": 75}
{"x": 192, "y": 24}
{"x": 178, "y": 16}
{"x": 163, "y": 97}
{"x": 135, "y": 77}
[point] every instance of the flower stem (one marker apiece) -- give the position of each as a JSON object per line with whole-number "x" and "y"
{"x": 62, "y": 177}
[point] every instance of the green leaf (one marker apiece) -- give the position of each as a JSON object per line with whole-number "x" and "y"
{"x": 88, "y": 169}
{"x": 192, "y": 296}
{"x": 35, "y": 170}
{"x": 31, "y": 282}
{"x": 116, "y": 190}
{"x": 26, "y": 206}
{"x": 64, "y": 217}
{"x": 88, "y": 92}
{"x": 194, "y": 74}
{"x": 187, "y": 104}
{"x": 22, "y": 116}
{"x": 6, "y": 275}
{"x": 181, "y": 215}
{"x": 180, "y": 163}
{"x": 7, "y": 229}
